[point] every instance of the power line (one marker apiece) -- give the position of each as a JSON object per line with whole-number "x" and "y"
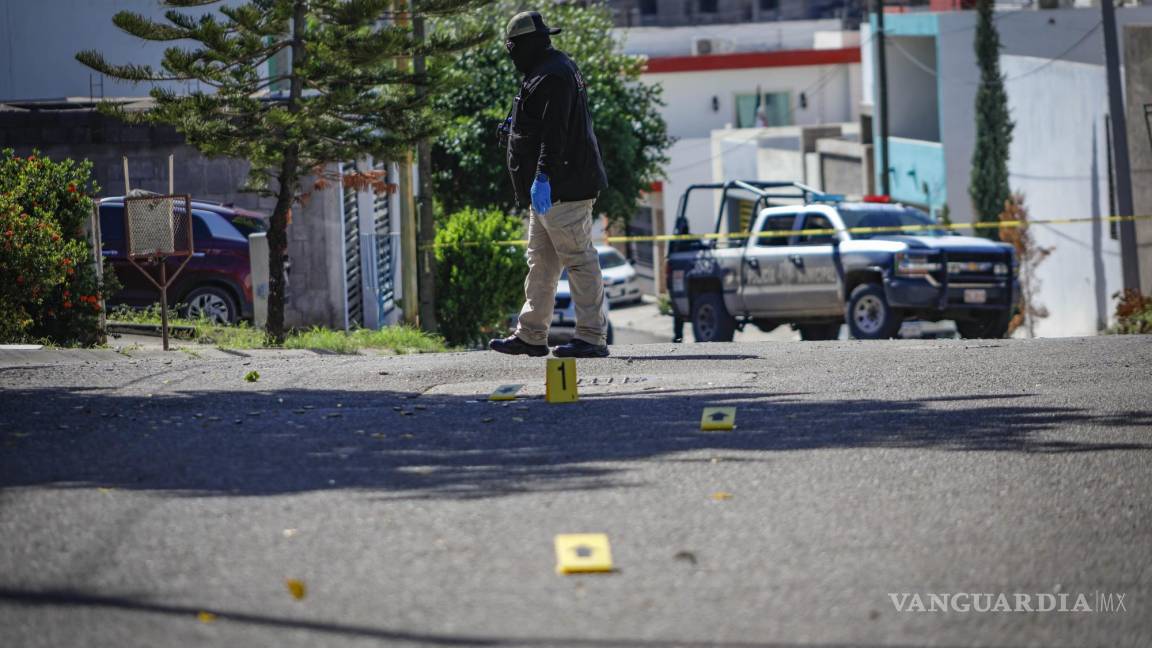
{"x": 1059, "y": 56}
{"x": 912, "y": 59}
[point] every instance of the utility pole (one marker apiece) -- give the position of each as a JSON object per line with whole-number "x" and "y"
{"x": 1128, "y": 252}
{"x": 882, "y": 99}
{"x": 408, "y": 242}
{"x": 426, "y": 264}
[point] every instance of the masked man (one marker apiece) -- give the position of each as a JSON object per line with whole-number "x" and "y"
{"x": 555, "y": 164}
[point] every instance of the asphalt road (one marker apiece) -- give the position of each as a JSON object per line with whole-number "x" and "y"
{"x": 137, "y": 493}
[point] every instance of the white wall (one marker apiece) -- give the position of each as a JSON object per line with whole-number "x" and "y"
{"x": 752, "y": 37}
{"x": 1043, "y": 35}
{"x": 911, "y": 76}
{"x": 691, "y": 163}
{"x": 39, "y": 41}
{"x": 1059, "y": 162}
{"x": 831, "y": 93}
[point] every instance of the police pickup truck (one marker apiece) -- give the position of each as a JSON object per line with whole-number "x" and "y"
{"x": 819, "y": 261}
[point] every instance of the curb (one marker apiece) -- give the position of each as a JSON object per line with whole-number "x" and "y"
{"x": 178, "y": 331}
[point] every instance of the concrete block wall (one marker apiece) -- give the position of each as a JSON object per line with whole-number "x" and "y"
{"x": 1137, "y": 45}
{"x": 88, "y": 135}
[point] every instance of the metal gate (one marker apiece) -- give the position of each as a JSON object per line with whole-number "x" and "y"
{"x": 382, "y": 246}
{"x": 354, "y": 308}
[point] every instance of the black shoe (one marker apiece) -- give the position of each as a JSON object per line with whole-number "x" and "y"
{"x": 513, "y": 345}
{"x": 580, "y": 349}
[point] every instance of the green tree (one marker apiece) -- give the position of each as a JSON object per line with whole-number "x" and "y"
{"x": 989, "y": 183}
{"x": 469, "y": 165}
{"x": 479, "y": 286}
{"x": 294, "y": 85}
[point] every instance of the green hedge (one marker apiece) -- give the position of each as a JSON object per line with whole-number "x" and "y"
{"x": 49, "y": 290}
{"x": 478, "y": 286}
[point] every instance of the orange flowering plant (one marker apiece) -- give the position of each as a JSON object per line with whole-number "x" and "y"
{"x": 49, "y": 287}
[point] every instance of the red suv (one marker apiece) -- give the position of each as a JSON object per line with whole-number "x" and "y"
{"x": 216, "y": 283}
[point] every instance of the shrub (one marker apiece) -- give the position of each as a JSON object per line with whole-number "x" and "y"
{"x": 49, "y": 283}
{"x": 1028, "y": 255}
{"x": 478, "y": 283}
{"x": 1133, "y": 312}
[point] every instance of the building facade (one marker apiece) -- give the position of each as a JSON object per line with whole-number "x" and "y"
{"x": 748, "y": 76}
{"x": 678, "y": 13}
{"x": 1052, "y": 62}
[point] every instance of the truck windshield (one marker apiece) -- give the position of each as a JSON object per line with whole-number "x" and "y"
{"x": 918, "y": 223}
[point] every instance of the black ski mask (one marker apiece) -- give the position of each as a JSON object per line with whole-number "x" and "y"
{"x": 526, "y": 50}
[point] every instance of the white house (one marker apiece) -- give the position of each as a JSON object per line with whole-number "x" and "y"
{"x": 759, "y": 75}
{"x": 1052, "y": 61}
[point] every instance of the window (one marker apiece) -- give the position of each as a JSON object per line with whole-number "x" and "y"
{"x": 249, "y": 224}
{"x": 708, "y": 6}
{"x": 209, "y": 225}
{"x": 112, "y": 223}
{"x": 611, "y": 259}
{"x": 888, "y": 216}
{"x": 769, "y": 5}
{"x": 200, "y": 231}
{"x": 813, "y": 222}
{"x": 648, "y": 7}
{"x": 773, "y": 109}
{"x": 778, "y": 224}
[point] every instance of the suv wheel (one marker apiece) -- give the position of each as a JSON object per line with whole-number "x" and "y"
{"x": 211, "y": 303}
{"x": 987, "y": 325}
{"x": 868, "y": 314}
{"x": 817, "y": 332}
{"x": 710, "y": 319}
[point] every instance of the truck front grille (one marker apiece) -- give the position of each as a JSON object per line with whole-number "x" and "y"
{"x": 974, "y": 267}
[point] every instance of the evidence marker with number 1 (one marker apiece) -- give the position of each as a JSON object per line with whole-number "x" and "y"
{"x": 560, "y": 381}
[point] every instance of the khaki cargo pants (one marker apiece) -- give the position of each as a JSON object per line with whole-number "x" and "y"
{"x": 557, "y": 240}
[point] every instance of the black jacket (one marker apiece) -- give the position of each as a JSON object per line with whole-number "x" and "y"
{"x": 551, "y": 133}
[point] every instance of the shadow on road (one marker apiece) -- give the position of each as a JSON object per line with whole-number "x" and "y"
{"x": 401, "y": 445}
{"x": 77, "y": 599}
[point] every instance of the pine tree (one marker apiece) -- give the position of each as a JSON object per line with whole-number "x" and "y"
{"x": 344, "y": 91}
{"x": 989, "y": 184}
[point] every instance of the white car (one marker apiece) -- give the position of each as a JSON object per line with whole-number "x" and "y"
{"x": 620, "y": 285}
{"x": 564, "y": 316}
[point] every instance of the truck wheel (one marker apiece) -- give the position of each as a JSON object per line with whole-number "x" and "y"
{"x": 818, "y": 332}
{"x": 868, "y": 314}
{"x": 710, "y": 319}
{"x": 987, "y": 325}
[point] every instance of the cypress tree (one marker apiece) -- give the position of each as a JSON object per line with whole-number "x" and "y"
{"x": 344, "y": 90}
{"x": 988, "y": 187}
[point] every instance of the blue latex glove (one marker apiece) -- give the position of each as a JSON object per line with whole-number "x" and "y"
{"x": 541, "y": 194}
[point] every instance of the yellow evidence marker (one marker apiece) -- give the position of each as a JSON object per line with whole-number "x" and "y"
{"x": 578, "y": 553}
{"x": 560, "y": 381}
{"x": 718, "y": 418}
{"x": 505, "y": 393}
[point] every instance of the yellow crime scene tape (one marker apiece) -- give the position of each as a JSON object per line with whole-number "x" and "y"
{"x": 892, "y": 229}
